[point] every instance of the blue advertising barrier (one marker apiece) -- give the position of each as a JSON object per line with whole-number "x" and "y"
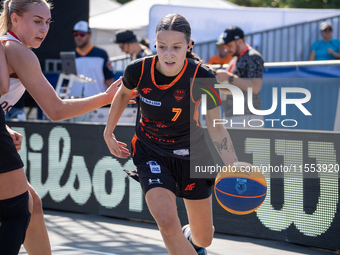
{"x": 322, "y": 104}
{"x": 320, "y": 78}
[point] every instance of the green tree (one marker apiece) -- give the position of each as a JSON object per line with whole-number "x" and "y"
{"x": 317, "y": 4}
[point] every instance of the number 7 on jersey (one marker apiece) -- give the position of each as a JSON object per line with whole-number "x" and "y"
{"x": 178, "y": 112}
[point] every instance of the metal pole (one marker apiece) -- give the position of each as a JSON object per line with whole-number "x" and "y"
{"x": 274, "y": 48}
{"x": 281, "y": 44}
{"x": 288, "y": 48}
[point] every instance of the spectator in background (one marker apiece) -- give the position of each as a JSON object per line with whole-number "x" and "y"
{"x": 245, "y": 71}
{"x": 91, "y": 62}
{"x": 327, "y": 48}
{"x": 222, "y": 57}
{"x": 127, "y": 42}
{"x": 145, "y": 42}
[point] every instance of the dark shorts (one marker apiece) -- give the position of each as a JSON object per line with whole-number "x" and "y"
{"x": 9, "y": 157}
{"x": 170, "y": 173}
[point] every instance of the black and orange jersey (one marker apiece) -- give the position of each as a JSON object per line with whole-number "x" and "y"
{"x": 168, "y": 122}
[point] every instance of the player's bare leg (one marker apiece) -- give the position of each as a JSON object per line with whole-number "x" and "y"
{"x": 200, "y": 220}
{"x": 162, "y": 205}
{"x": 37, "y": 241}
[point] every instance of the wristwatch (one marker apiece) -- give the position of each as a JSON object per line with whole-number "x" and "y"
{"x": 231, "y": 79}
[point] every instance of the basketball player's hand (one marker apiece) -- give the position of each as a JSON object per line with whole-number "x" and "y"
{"x": 116, "y": 148}
{"x": 112, "y": 90}
{"x": 17, "y": 138}
{"x": 222, "y": 76}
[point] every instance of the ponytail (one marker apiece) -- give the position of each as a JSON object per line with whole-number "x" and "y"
{"x": 5, "y": 18}
{"x": 192, "y": 55}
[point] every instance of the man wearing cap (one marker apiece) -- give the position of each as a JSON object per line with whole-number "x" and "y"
{"x": 245, "y": 71}
{"x": 327, "y": 48}
{"x": 91, "y": 62}
{"x": 127, "y": 42}
{"x": 222, "y": 57}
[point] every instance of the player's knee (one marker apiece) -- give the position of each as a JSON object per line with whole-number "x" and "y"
{"x": 165, "y": 222}
{"x": 204, "y": 241}
{"x": 204, "y": 238}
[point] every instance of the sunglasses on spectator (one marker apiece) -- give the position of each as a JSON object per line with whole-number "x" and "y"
{"x": 327, "y": 30}
{"x": 121, "y": 46}
{"x": 77, "y": 33}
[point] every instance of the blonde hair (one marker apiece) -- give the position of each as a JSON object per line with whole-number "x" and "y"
{"x": 16, "y": 6}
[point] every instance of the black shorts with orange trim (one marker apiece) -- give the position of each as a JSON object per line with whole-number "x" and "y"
{"x": 9, "y": 157}
{"x": 170, "y": 173}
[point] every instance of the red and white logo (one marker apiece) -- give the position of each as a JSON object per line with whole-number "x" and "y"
{"x": 179, "y": 94}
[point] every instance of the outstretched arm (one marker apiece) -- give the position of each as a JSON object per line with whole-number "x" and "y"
{"x": 24, "y": 63}
{"x": 220, "y": 137}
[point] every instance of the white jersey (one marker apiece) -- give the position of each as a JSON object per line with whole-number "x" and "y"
{"x": 16, "y": 89}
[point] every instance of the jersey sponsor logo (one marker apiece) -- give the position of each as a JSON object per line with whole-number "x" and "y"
{"x": 155, "y": 181}
{"x": 181, "y": 152}
{"x": 148, "y": 101}
{"x": 146, "y": 90}
{"x": 179, "y": 94}
{"x": 190, "y": 187}
{"x": 154, "y": 167}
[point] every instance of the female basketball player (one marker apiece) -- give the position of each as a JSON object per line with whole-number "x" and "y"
{"x": 24, "y": 25}
{"x": 161, "y": 145}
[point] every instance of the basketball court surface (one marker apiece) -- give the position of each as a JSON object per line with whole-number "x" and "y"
{"x": 83, "y": 234}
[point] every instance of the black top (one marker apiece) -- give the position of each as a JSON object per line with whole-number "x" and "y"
{"x": 250, "y": 65}
{"x": 168, "y": 122}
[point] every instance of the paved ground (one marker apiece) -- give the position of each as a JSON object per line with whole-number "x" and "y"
{"x": 81, "y": 234}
